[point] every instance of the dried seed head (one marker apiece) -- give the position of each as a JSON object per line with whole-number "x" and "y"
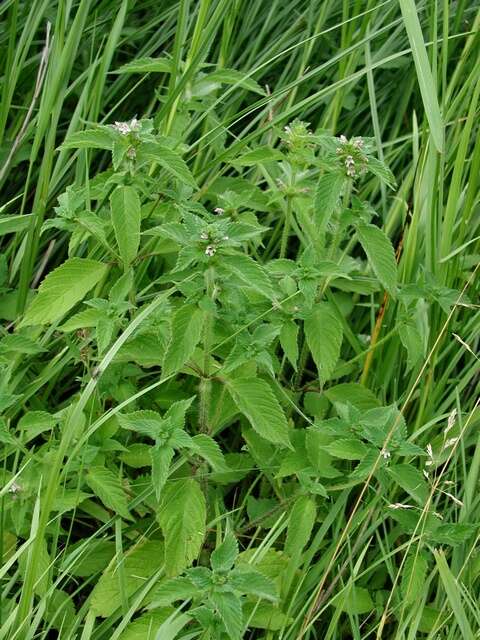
{"x": 399, "y": 505}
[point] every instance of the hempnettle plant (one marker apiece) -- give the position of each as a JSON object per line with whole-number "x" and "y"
{"x": 233, "y": 406}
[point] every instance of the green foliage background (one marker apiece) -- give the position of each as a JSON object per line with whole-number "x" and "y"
{"x": 239, "y": 388}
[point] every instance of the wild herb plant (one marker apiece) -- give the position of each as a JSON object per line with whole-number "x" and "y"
{"x": 240, "y": 399}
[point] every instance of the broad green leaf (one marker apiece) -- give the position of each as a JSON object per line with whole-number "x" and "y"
{"x": 146, "y": 65}
{"x": 410, "y": 480}
{"x": 95, "y": 557}
{"x": 224, "y": 556}
{"x": 347, "y": 449}
{"x": 354, "y": 393}
{"x": 425, "y": 76}
{"x": 62, "y": 289}
{"x": 101, "y": 138}
{"x": 265, "y": 615}
{"x": 107, "y": 486}
{"x": 181, "y": 516}
{"x": 249, "y": 272}
{"x": 60, "y": 611}
{"x": 229, "y": 609}
{"x": 172, "y": 589}
{"x": 81, "y": 320}
{"x": 139, "y": 564}
{"x": 257, "y": 156}
{"x": 168, "y": 160}
{"x": 253, "y": 583}
{"x": 380, "y": 255}
{"x": 355, "y": 601}
{"x": 454, "y": 534}
{"x": 146, "y": 422}
{"x": 161, "y": 458}
{"x": 146, "y": 626}
{"x": 19, "y": 344}
{"x": 327, "y": 199}
{"x": 234, "y": 77}
{"x": 256, "y": 400}
{"x": 208, "y": 449}
{"x": 324, "y": 334}
{"x": 414, "y": 574}
{"x": 187, "y": 326}
{"x": 125, "y": 210}
{"x": 300, "y": 525}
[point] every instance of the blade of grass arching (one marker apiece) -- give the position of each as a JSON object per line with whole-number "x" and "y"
{"x": 424, "y": 73}
{"x": 453, "y": 593}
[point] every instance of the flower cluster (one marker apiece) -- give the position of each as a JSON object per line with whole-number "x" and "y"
{"x": 127, "y": 127}
{"x": 351, "y": 152}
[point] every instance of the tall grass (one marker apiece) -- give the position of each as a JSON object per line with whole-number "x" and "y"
{"x": 402, "y": 73}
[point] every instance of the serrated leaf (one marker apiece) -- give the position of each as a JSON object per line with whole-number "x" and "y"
{"x": 62, "y": 289}
{"x": 300, "y": 525}
{"x": 354, "y": 393}
{"x": 410, "y": 480}
{"x": 146, "y": 422}
{"x": 232, "y": 76}
{"x": 224, "y": 556}
{"x": 249, "y": 272}
{"x": 172, "y": 589}
{"x": 257, "y": 156}
{"x": 327, "y": 199}
{"x": 81, "y": 320}
{"x": 256, "y": 400}
{"x": 19, "y": 344}
{"x": 168, "y": 160}
{"x": 253, "y": 583}
{"x": 324, "y": 334}
{"x": 187, "y": 326}
{"x": 413, "y": 577}
{"x": 229, "y": 608}
{"x": 355, "y": 601}
{"x": 101, "y": 138}
{"x": 125, "y": 210}
{"x": 146, "y": 627}
{"x": 207, "y": 448}
{"x": 138, "y": 565}
{"x": 161, "y": 458}
{"x": 107, "y": 486}
{"x": 181, "y": 516}
{"x": 347, "y": 449}
{"x": 380, "y": 255}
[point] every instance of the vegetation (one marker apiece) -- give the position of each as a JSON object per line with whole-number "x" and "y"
{"x": 240, "y": 326}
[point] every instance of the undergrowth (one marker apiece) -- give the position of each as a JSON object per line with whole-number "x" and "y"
{"x": 239, "y": 302}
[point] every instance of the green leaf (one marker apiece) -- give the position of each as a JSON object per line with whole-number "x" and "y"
{"x": 413, "y": 577}
{"x": 327, "y": 199}
{"x": 324, "y": 334}
{"x": 380, "y": 254}
{"x": 207, "y": 448}
{"x": 107, "y": 486}
{"x": 411, "y": 481}
{"x": 161, "y": 458}
{"x": 354, "y": 393}
{"x": 249, "y": 272}
{"x": 187, "y": 326}
{"x": 139, "y": 564}
{"x": 101, "y": 138}
{"x": 265, "y": 615}
{"x": 253, "y": 583}
{"x": 12, "y": 224}
{"x": 125, "y": 210}
{"x": 19, "y": 344}
{"x": 224, "y": 556}
{"x": 424, "y": 73}
{"x": 168, "y": 160}
{"x": 146, "y": 626}
{"x": 356, "y": 601}
{"x": 146, "y": 65}
{"x": 181, "y": 516}
{"x": 62, "y": 289}
{"x": 256, "y": 400}
{"x": 229, "y": 608}
{"x": 300, "y": 525}
{"x": 232, "y": 76}
{"x": 146, "y": 422}
{"x": 347, "y": 449}
{"x": 289, "y": 341}
{"x": 257, "y": 156}
{"x": 454, "y": 593}
{"x": 172, "y": 589}
{"x": 81, "y": 320}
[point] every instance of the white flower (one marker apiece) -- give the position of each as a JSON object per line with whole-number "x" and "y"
{"x": 219, "y": 210}
{"x": 343, "y": 139}
{"x": 127, "y": 127}
{"x": 210, "y": 251}
{"x": 204, "y": 235}
{"x": 386, "y": 454}
{"x": 14, "y": 488}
